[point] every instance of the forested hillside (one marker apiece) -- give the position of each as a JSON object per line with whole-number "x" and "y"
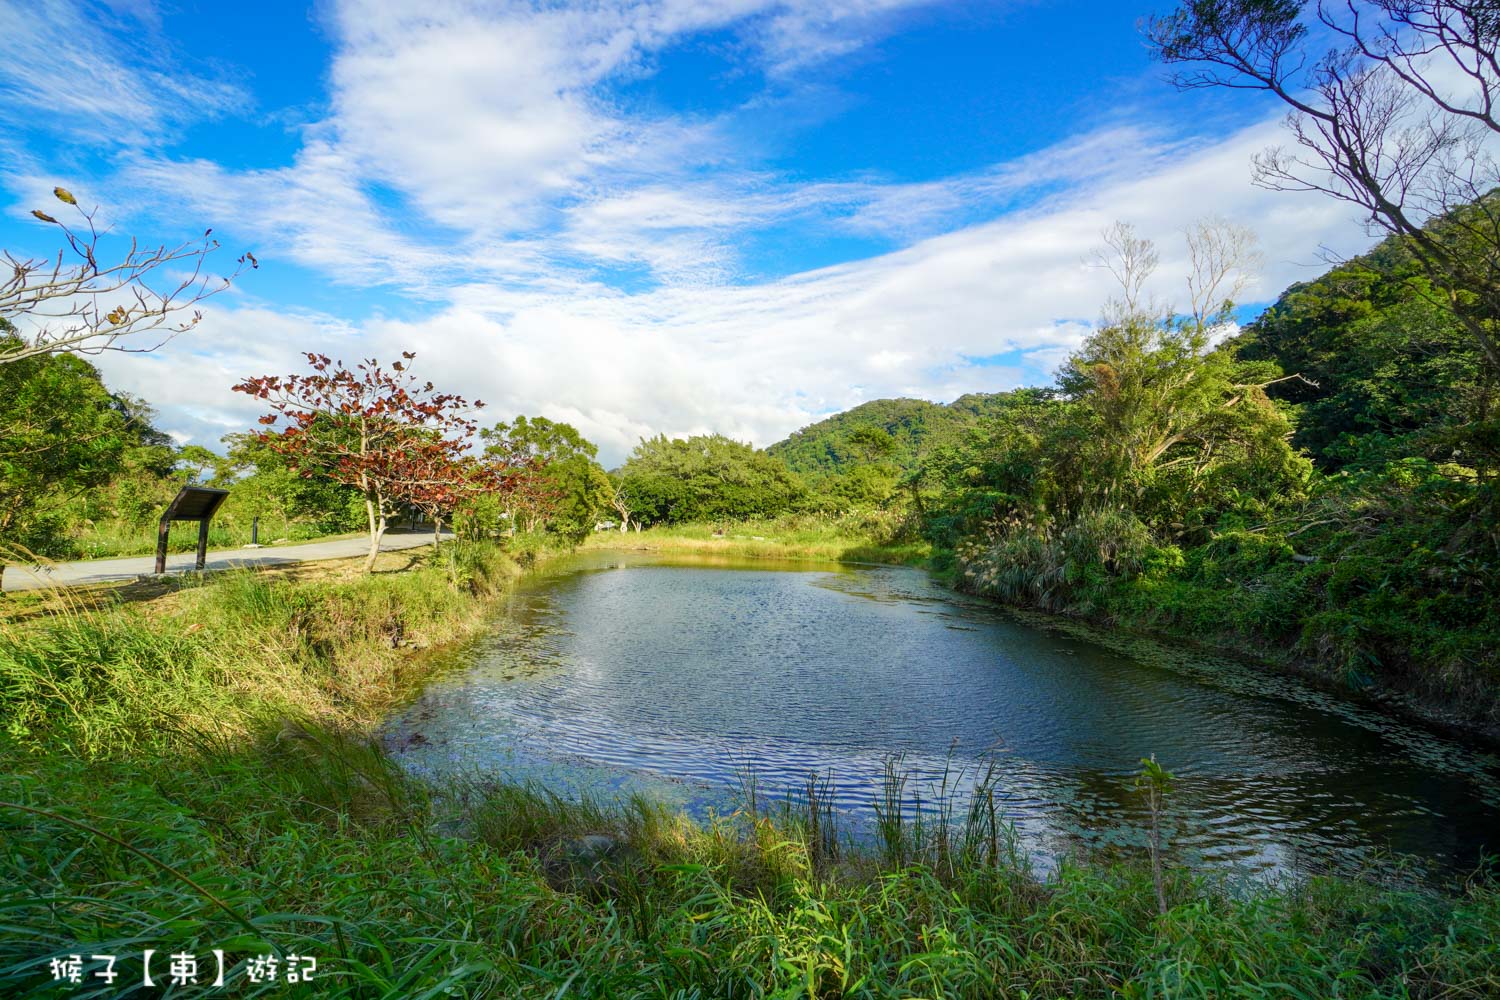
{"x": 1389, "y": 372}
{"x": 845, "y": 440}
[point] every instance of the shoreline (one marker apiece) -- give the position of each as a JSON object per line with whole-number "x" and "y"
{"x": 1398, "y": 703}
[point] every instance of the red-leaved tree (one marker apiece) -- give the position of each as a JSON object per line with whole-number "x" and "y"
{"x": 533, "y": 498}
{"x": 396, "y": 440}
{"x": 442, "y": 483}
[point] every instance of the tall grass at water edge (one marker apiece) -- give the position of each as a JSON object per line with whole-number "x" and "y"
{"x": 871, "y": 537}
{"x": 202, "y": 778}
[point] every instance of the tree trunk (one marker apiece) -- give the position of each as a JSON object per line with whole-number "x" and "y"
{"x": 377, "y": 529}
{"x": 437, "y": 532}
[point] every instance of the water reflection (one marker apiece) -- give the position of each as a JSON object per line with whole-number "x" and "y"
{"x": 645, "y": 675}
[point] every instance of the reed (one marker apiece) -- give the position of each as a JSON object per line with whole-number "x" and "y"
{"x": 203, "y": 778}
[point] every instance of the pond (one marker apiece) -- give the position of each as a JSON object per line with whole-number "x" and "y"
{"x": 620, "y": 673}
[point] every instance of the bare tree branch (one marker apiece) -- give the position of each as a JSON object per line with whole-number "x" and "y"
{"x": 1401, "y": 121}
{"x": 73, "y": 302}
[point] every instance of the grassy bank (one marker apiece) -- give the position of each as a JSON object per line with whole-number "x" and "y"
{"x": 793, "y": 536}
{"x": 1385, "y": 614}
{"x": 195, "y": 773}
{"x": 112, "y": 540}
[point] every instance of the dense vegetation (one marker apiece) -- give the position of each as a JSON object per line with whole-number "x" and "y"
{"x": 194, "y": 776}
{"x": 705, "y": 478}
{"x": 1390, "y": 374}
{"x": 1319, "y": 486}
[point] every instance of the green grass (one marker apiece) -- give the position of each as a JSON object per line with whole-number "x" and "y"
{"x": 793, "y": 536}
{"x": 113, "y": 539}
{"x": 186, "y": 788}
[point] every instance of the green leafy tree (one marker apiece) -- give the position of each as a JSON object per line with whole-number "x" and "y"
{"x": 264, "y": 483}
{"x": 61, "y": 433}
{"x": 197, "y": 463}
{"x": 1032, "y": 458}
{"x": 1171, "y": 408}
{"x": 1391, "y": 372}
{"x": 705, "y": 478}
{"x": 565, "y": 489}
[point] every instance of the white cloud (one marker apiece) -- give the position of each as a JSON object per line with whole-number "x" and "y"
{"x": 471, "y": 160}
{"x": 758, "y": 361}
{"x": 66, "y": 71}
{"x": 315, "y": 212}
{"x": 480, "y": 140}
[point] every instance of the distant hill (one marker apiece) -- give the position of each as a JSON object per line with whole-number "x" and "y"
{"x": 834, "y": 445}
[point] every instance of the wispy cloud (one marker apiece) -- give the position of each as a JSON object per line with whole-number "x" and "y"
{"x": 68, "y": 72}
{"x": 986, "y": 307}
{"x": 581, "y": 259}
{"x": 482, "y": 142}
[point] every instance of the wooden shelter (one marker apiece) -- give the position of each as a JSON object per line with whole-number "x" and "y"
{"x": 192, "y": 503}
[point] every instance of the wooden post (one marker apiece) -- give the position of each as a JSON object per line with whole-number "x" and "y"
{"x": 161, "y": 541}
{"x": 202, "y": 543}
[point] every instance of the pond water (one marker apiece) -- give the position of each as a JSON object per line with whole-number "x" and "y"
{"x": 617, "y": 674}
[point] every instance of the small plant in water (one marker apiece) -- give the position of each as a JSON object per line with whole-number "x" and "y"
{"x": 1157, "y": 781}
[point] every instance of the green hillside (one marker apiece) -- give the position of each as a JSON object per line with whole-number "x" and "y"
{"x": 911, "y": 429}
{"x": 1390, "y": 373}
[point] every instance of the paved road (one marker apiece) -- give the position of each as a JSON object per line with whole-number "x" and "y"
{"x": 112, "y": 570}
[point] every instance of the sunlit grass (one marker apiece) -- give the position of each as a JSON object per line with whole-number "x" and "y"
{"x": 812, "y": 537}
{"x": 199, "y": 775}
{"x": 112, "y": 539}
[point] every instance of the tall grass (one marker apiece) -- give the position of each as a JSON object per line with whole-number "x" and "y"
{"x": 201, "y": 778}
{"x": 235, "y": 650}
{"x": 875, "y": 537}
{"x": 321, "y": 846}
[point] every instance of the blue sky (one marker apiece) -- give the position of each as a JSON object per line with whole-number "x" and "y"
{"x": 648, "y": 216}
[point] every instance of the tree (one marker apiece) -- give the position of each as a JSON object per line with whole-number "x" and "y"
{"x": 76, "y": 302}
{"x": 200, "y": 464}
{"x": 266, "y": 484}
{"x": 1157, "y": 435}
{"x": 1152, "y": 377}
{"x": 704, "y": 478}
{"x": 1034, "y": 458}
{"x": 622, "y": 503}
{"x": 528, "y": 439}
{"x": 1399, "y": 120}
{"x": 558, "y": 482}
{"x": 61, "y": 434}
{"x": 440, "y": 482}
{"x": 377, "y": 430}
{"x": 1393, "y": 372}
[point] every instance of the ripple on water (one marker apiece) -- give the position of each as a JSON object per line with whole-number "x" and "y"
{"x": 676, "y": 679}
